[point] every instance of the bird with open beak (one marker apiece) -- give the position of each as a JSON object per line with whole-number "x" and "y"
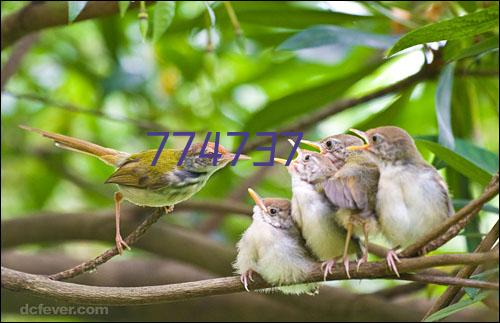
{"x": 273, "y": 247}
{"x": 412, "y": 197}
{"x": 311, "y": 210}
{"x": 352, "y": 189}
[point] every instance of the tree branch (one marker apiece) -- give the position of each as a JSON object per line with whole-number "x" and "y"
{"x": 447, "y": 297}
{"x": 16, "y": 57}
{"x": 110, "y": 253}
{"x": 425, "y": 243}
{"x": 38, "y": 15}
{"x": 43, "y": 286}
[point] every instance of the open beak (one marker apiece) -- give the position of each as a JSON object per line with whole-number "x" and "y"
{"x": 299, "y": 151}
{"x": 244, "y": 157}
{"x": 257, "y": 199}
{"x": 312, "y": 144}
{"x": 363, "y": 136}
{"x": 280, "y": 161}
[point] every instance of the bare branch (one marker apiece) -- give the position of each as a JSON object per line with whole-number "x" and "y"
{"x": 43, "y": 286}
{"x": 38, "y": 15}
{"x": 447, "y": 297}
{"x": 110, "y": 253}
{"x": 16, "y": 57}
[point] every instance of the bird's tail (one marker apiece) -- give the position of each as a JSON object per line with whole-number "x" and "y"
{"x": 109, "y": 156}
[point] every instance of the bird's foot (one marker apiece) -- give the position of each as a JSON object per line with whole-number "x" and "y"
{"x": 391, "y": 258}
{"x": 327, "y": 267}
{"x": 245, "y": 277}
{"x": 346, "y": 266}
{"x": 361, "y": 261}
{"x": 120, "y": 243}
{"x": 168, "y": 209}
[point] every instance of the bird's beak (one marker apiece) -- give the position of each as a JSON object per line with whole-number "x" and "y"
{"x": 230, "y": 156}
{"x": 363, "y": 136}
{"x": 257, "y": 199}
{"x": 313, "y": 144}
{"x": 299, "y": 151}
{"x": 280, "y": 161}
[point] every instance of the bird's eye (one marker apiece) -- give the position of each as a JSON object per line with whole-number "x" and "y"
{"x": 307, "y": 157}
{"x": 329, "y": 144}
{"x": 273, "y": 211}
{"x": 376, "y": 138}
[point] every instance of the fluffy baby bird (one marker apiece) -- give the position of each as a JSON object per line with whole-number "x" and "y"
{"x": 313, "y": 213}
{"x": 412, "y": 197}
{"x": 273, "y": 247}
{"x": 352, "y": 189}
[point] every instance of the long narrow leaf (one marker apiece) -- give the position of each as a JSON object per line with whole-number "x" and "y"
{"x": 443, "y": 106}
{"x": 163, "y": 16}
{"x": 74, "y": 9}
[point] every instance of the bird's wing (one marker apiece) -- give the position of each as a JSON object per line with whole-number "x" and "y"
{"x": 353, "y": 187}
{"x": 137, "y": 171}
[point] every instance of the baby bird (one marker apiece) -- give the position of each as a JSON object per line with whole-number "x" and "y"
{"x": 272, "y": 246}
{"x": 412, "y": 197}
{"x": 352, "y": 189}
{"x": 311, "y": 210}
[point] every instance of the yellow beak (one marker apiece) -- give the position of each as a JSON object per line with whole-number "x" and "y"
{"x": 312, "y": 144}
{"x": 280, "y": 161}
{"x": 363, "y": 136}
{"x": 257, "y": 199}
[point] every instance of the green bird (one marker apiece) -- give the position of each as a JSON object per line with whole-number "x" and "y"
{"x": 140, "y": 183}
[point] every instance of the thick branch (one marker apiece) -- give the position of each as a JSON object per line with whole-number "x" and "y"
{"x": 42, "y": 286}
{"x": 421, "y": 244}
{"x": 39, "y": 15}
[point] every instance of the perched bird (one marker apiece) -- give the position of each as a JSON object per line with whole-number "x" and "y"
{"x": 412, "y": 197}
{"x": 311, "y": 210}
{"x": 352, "y": 189}
{"x": 273, "y": 247}
{"x": 162, "y": 185}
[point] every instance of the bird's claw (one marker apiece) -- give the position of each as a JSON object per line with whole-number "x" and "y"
{"x": 247, "y": 275}
{"x": 168, "y": 209}
{"x": 120, "y": 243}
{"x": 346, "y": 266}
{"x": 327, "y": 267}
{"x": 392, "y": 258}
{"x": 360, "y": 262}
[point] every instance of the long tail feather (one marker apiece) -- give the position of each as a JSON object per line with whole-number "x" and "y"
{"x": 109, "y": 156}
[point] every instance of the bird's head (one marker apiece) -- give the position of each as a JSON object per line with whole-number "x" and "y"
{"x": 274, "y": 211}
{"x": 335, "y": 147}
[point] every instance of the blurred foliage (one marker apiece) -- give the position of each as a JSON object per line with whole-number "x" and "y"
{"x": 199, "y": 69}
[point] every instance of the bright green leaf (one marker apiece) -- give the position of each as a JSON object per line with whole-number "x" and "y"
{"x": 123, "y": 6}
{"x": 323, "y": 35}
{"x": 163, "y": 16}
{"x": 447, "y": 311}
{"x": 443, "y": 106}
{"x": 74, "y": 9}
{"x": 454, "y": 160}
{"x": 455, "y": 28}
{"x": 485, "y": 46}
{"x": 473, "y": 292}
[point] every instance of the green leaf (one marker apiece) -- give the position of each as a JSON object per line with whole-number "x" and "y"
{"x": 323, "y": 35}
{"x": 473, "y": 292}
{"x": 460, "y": 203}
{"x": 123, "y": 6}
{"x": 302, "y": 102}
{"x": 456, "y": 161}
{"x": 443, "y": 106}
{"x": 163, "y": 16}
{"x": 74, "y": 9}
{"x": 388, "y": 115}
{"x": 455, "y": 28}
{"x": 447, "y": 311}
{"x": 485, "y": 46}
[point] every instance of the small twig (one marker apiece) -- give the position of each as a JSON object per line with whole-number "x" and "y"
{"x": 234, "y": 19}
{"x": 451, "y": 281}
{"x": 110, "y": 253}
{"x": 447, "y": 297}
{"x": 81, "y": 294}
{"x": 146, "y": 125}
{"x": 16, "y": 57}
{"x": 441, "y": 230}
